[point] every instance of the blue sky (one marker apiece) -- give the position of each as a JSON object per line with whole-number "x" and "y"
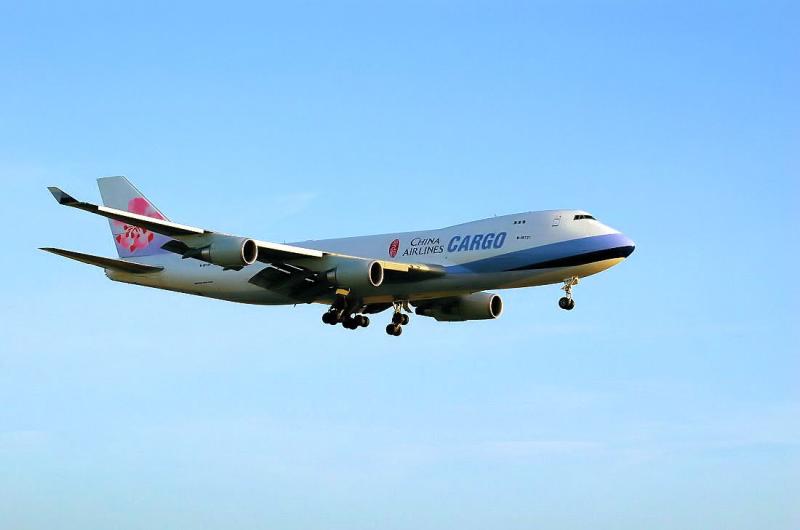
{"x": 668, "y": 399}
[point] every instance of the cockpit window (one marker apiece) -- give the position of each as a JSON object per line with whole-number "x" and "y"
{"x": 583, "y": 216}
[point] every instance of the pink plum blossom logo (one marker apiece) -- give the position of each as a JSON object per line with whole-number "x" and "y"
{"x": 394, "y": 247}
{"x": 131, "y": 237}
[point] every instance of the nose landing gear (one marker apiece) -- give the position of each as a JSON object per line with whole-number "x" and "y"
{"x": 566, "y": 302}
{"x": 398, "y": 319}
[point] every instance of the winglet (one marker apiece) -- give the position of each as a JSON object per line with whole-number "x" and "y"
{"x": 61, "y": 196}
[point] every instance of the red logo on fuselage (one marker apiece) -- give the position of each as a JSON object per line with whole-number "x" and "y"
{"x": 394, "y": 246}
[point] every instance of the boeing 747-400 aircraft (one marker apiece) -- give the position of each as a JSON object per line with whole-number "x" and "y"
{"x": 441, "y": 273}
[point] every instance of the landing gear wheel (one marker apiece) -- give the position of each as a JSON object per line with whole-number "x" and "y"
{"x": 394, "y": 329}
{"x": 362, "y": 320}
{"x": 350, "y": 322}
{"x": 401, "y": 319}
{"x": 566, "y": 303}
{"x": 326, "y": 318}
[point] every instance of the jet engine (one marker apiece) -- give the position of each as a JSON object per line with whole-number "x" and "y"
{"x": 226, "y": 251}
{"x": 476, "y": 306}
{"x": 356, "y": 274}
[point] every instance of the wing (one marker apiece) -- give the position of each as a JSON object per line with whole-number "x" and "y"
{"x": 398, "y": 271}
{"x": 300, "y": 283}
{"x": 188, "y": 240}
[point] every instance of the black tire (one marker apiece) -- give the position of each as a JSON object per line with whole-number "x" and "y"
{"x": 390, "y": 329}
{"x": 571, "y": 305}
{"x": 563, "y": 302}
{"x": 363, "y": 321}
{"x": 397, "y": 330}
{"x": 397, "y": 318}
{"x": 405, "y": 319}
{"x": 326, "y": 318}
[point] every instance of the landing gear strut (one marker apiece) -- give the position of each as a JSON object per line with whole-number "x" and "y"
{"x": 566, "y": 302}
{"x": 337, "y": 311}
{"x": 399, "y": 320}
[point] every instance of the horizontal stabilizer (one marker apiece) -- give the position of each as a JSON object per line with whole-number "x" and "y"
{"x": 106, "y": 263}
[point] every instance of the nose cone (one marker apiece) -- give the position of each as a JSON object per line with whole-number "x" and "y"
{"x": 627, "y": 245}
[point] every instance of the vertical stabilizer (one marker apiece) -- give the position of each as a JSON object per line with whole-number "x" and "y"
{"x": 119, "y": 193}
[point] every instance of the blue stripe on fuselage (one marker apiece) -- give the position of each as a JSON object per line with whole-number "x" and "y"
{"x": 529, "y": 257}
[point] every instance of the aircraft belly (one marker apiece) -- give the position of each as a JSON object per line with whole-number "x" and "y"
{"x": 558, "y": 274}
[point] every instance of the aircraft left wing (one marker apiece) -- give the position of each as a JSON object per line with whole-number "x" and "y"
{"x": 207, "y": 245}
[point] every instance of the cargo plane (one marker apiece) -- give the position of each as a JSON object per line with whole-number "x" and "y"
{"x": 441, "y": 273}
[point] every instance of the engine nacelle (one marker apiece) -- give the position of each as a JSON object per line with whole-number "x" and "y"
{"x": 356, "y": 274}
{"x": 476, "y": 306}
{"x": 227, "y": 251}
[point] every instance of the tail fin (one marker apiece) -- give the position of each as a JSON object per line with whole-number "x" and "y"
{"x": 119, "y": 193}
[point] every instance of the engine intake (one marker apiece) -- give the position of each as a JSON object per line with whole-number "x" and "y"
{"x": 476, "y": 306}
{"x": 356, "y": 274}
{"x": 227, "y": 251}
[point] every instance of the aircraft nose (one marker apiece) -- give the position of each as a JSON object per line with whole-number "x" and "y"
{"x": 628, "y": 246}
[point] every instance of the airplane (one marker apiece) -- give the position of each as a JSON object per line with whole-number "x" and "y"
{"x": 442, "y": 273}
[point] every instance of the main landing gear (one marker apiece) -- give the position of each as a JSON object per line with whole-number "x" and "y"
{"x": 348, "y": 321}
{"x": 399, "y": 320}
{"x": 345, "y": 311}
{"x": 566, "y": 302}
{"x": 341, "y": 312}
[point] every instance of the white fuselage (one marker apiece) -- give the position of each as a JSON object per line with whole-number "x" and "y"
{"x": 520, "y": 250}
